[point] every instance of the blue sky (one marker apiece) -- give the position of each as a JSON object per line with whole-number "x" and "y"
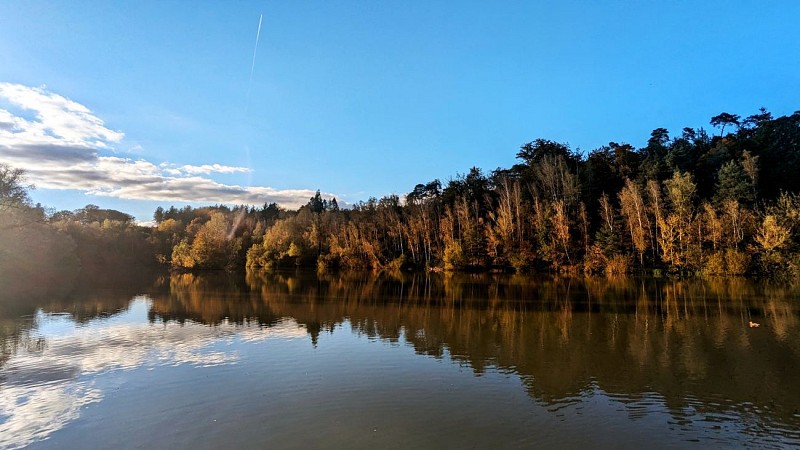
{"x": 129, "y": 105}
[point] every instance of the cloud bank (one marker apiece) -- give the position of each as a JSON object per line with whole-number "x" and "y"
{"x": 61, "y": 144}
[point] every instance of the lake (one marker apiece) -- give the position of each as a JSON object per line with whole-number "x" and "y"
{"x": 358, "y": 360}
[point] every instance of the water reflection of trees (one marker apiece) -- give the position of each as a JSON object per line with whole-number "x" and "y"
{"x": 563, "y": 337}
{"x": 210, "y": 299}
{"x": 682, "y": 339}
{"x": 89, "y": 295}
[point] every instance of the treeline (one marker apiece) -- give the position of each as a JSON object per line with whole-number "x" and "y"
{"x": 725, "y": 204}
{"x": 722, "y": 204}
{"x": 42, "y": 252}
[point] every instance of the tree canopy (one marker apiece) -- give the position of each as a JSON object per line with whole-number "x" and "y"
{"x": 686, "y": 203}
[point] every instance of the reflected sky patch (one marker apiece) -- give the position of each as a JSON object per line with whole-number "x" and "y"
{"x": 44, "y": 387}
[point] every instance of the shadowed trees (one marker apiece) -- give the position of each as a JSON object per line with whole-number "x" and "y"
{"x": 723, "y": 120}
{"x": 35, "y": 259}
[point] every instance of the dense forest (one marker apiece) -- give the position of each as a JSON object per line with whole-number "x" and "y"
{"x": 692, "y": 203}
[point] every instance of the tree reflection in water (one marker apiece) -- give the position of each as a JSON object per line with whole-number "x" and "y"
{"x": 683, "y": 345}
{"x": 686, "y": 340}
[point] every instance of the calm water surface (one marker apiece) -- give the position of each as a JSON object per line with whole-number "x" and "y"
{"x": 299, "y": 360}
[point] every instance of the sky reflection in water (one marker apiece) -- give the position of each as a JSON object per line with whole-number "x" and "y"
{"x": 43, "y": 389}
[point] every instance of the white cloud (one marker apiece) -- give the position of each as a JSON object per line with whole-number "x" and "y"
{"x": 60, "y": 144}
{"x": 209, "y": 168}
{"x": 58, "y": 119}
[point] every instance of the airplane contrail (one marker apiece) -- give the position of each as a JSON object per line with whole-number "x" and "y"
{"x": 255, "y": 50}
{"x": 246, "y": 109}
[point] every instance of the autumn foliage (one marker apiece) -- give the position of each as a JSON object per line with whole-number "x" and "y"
{"x": 695, "y": 203}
